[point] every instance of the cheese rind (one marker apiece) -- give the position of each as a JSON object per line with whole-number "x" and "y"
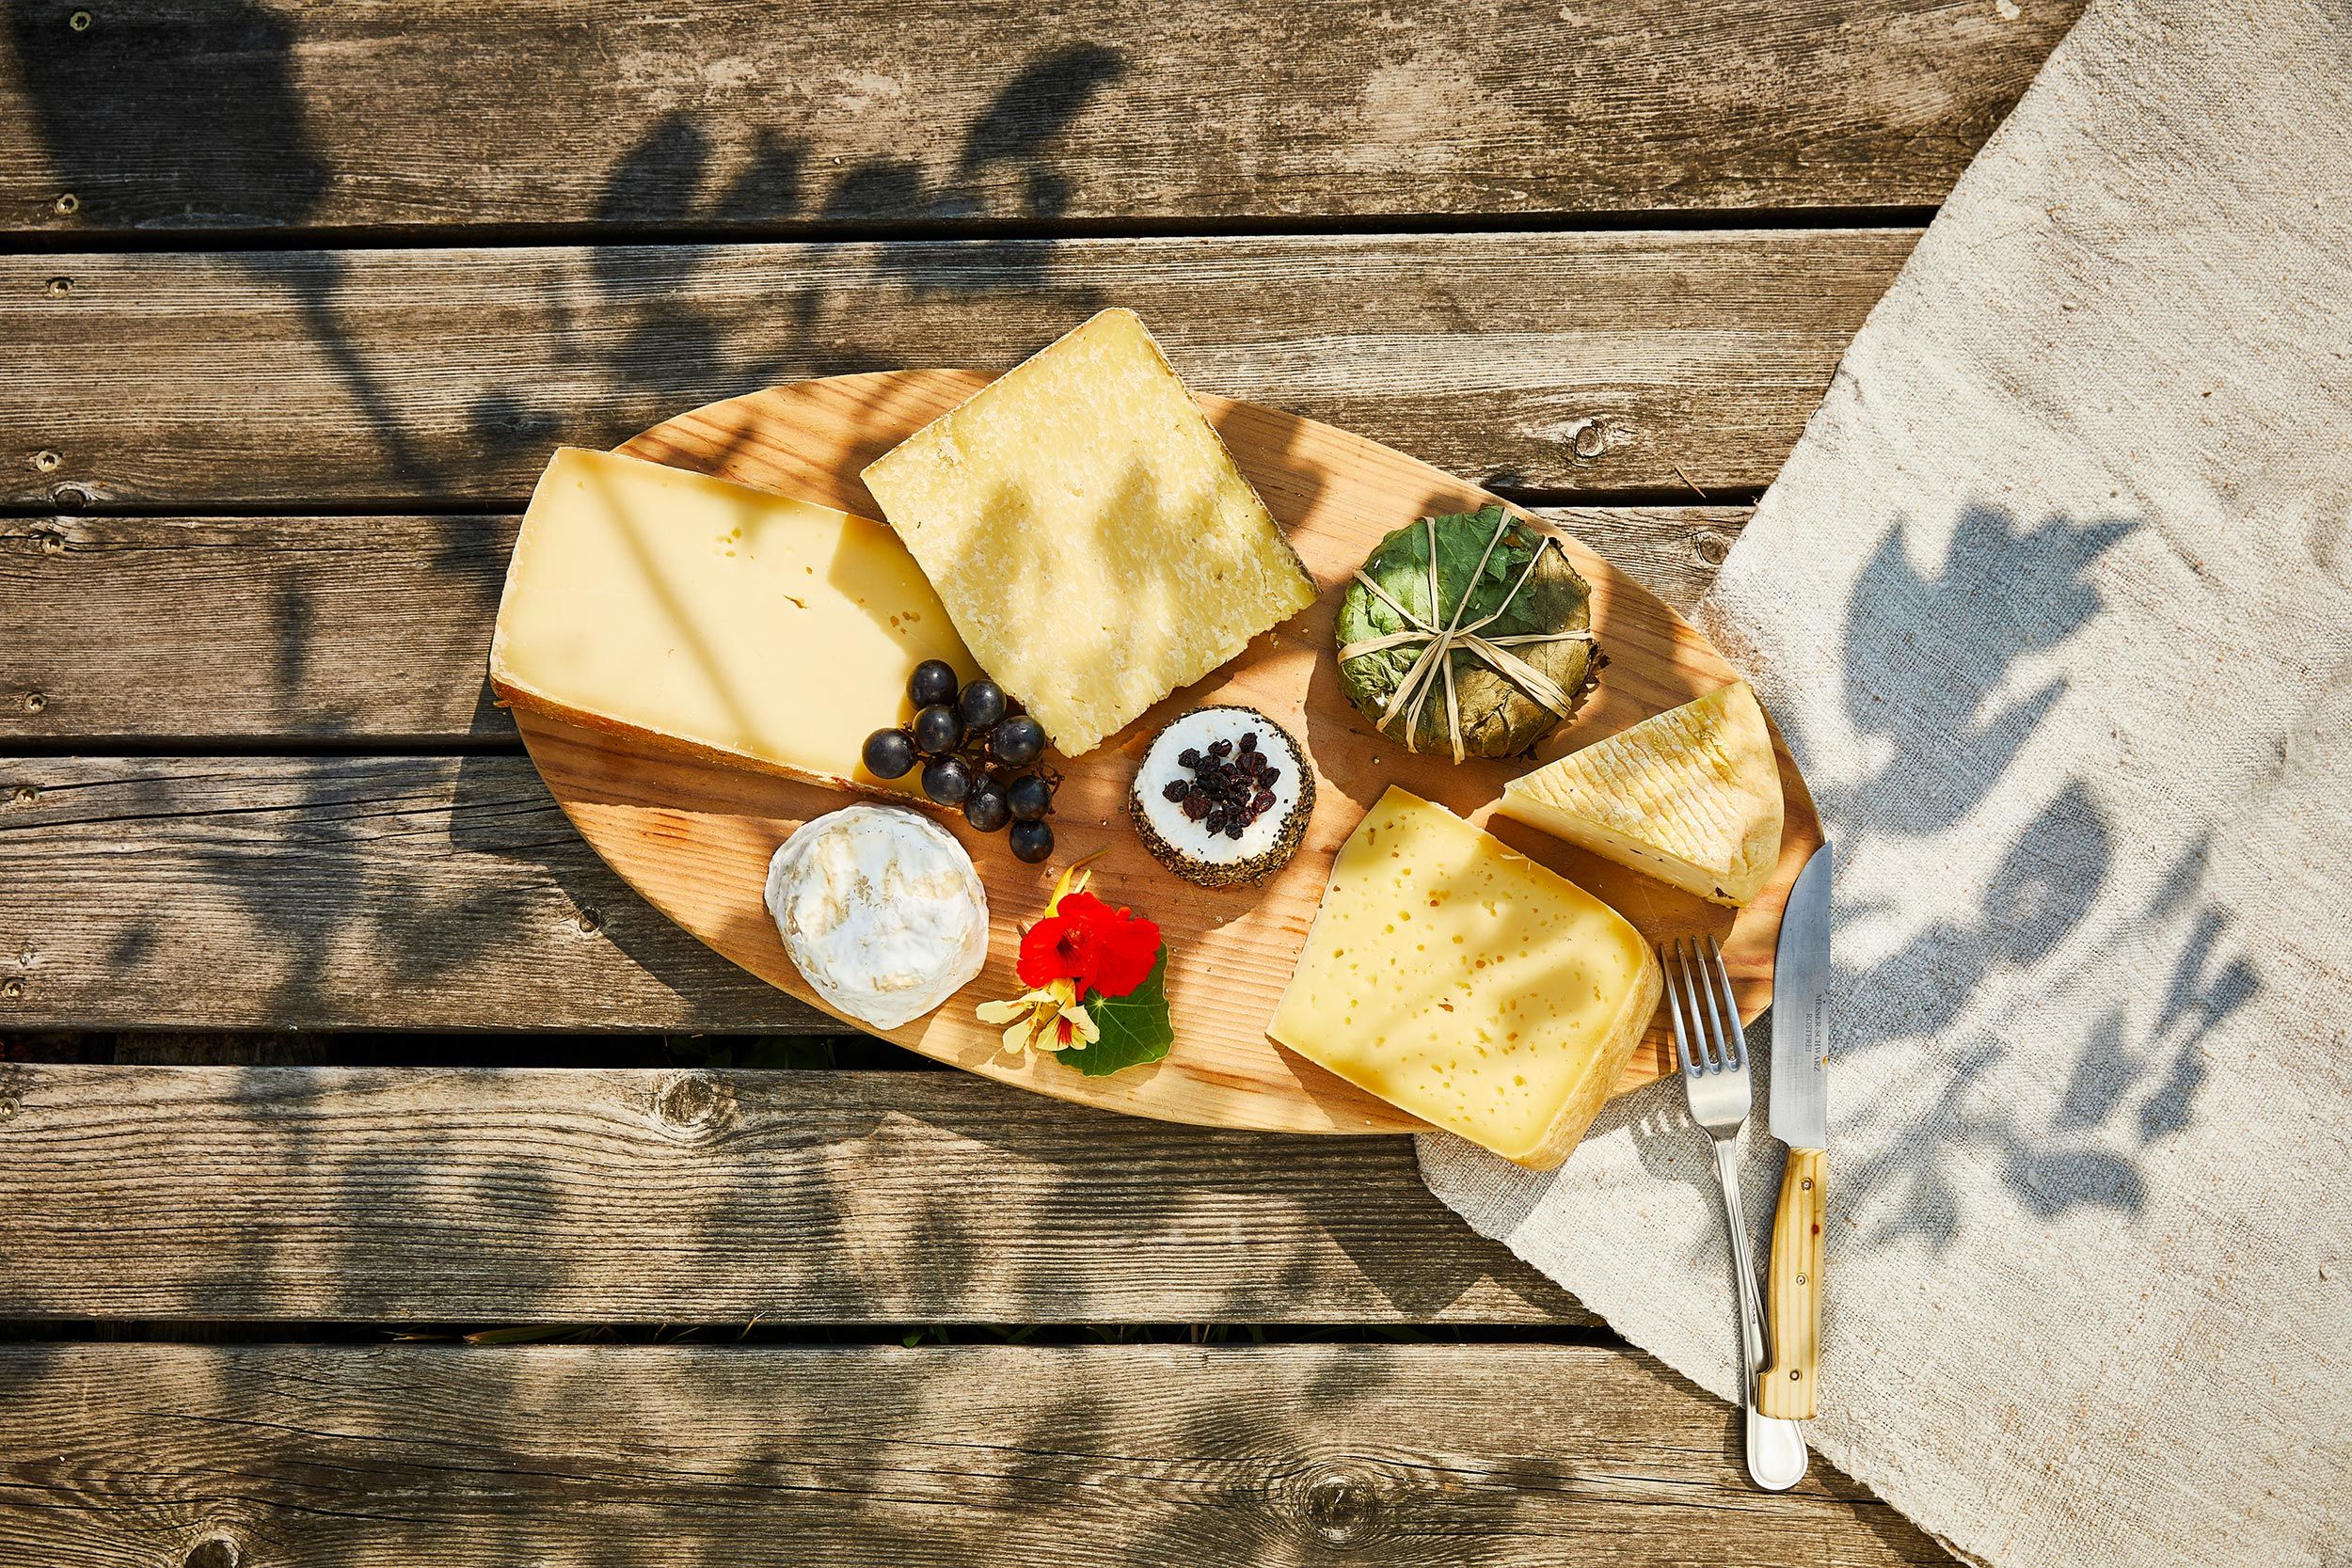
{"x": 1090, "y": 533}
{"x": 1463, "y": 983}
{"x": 725, "y": 622}
{"x": 1691, "y": 797}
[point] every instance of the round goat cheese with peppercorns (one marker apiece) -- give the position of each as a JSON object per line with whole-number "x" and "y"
{"x": 1223, "y": 797}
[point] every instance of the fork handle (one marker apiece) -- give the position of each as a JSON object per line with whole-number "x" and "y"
{"x": 1787, "y": 1389}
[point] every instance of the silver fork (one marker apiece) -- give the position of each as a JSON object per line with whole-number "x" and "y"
{"x": 1714, "y": 1054}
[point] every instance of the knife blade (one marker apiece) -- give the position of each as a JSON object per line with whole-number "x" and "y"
{"x": 1798, "y": 1116}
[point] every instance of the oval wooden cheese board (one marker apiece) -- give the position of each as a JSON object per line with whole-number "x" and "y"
{"x": 694, "y": 838}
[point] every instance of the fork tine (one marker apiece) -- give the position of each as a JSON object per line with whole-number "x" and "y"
{"x": 1686, "y": 952}
{"x": 1718, "y": 1037}
{"x": 1670, "y": 962}
{"x": 1735, "y": 1035}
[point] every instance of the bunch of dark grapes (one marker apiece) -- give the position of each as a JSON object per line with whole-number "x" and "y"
{"x": 1229, "y": 788}
{"x": 977, "y": 752}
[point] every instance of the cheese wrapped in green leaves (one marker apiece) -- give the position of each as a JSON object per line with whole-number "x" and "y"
{"x": 1486, "y": 599}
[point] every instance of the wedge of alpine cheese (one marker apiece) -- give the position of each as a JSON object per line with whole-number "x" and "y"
{"x": 727, "y": 623}
{"x": 1691, "y": 795}
{"x": 1463, "y": 983}
{"x": 1090, "y": 533}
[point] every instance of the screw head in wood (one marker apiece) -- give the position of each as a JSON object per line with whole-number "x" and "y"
{"x": 80, "y": 22}
{"x": 12, "y": 990}
{"x": 66, "y": 205}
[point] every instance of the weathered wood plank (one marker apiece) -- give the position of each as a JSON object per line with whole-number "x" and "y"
{"x": 306, "y": 629}
{"x": 366, "y": 892}
{"x": 226, "y": 115}
{"x": 1066, "y": 1457}
{"x": 571, "y": 1195}
{"x": 1578, "y": 363}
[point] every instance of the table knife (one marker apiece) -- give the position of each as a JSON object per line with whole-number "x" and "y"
{"x": 1798, "y": 1116}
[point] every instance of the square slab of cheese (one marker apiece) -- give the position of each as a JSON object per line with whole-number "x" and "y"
{"x": 709, "y": 618}
{"x": 1460, "y": 981}
{"x": 1090, "y": 533}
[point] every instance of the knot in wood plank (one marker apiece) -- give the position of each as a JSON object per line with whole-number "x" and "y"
{"x": 1345, "y": 1503}
{"x": 694, "y": 1106}
{"x": 214, "y": 1551}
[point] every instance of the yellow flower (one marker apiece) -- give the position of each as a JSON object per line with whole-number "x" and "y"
{"x": 1049, "y": 1018}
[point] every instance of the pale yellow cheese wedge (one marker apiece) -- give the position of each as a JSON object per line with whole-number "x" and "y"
{"x": 1691, "y": 795}
{"x": 725, "y": 622}
{"x": 1465, "y": 984}
{"x": 1090, "y": 533}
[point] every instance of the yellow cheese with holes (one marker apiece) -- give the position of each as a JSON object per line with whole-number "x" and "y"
{"x": 1691, "y": 795}
{"x": 728, "y": 623}
{"x": 1090, "y": 533}
{"x": 1463, "y": 983}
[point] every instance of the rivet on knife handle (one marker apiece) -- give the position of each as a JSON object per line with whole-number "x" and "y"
{"x": 1793, "y": 1294}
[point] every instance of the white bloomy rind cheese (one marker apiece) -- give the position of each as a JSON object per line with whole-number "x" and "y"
{"x": 1465, "y": 984}
{"x": 729, "y": 623}
{"x": 1691, "y": 797}
{"x": 881, "y": 910}
{"x": 1090, "y": 533}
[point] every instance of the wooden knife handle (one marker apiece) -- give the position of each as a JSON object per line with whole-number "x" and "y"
{"x": 1793, "y": 1296}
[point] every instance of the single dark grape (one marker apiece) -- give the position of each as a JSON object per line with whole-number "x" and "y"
{"x": 1175, "y": 791}
{"x": 933, "y": 681}
{"x": 937, "y": 730}
{"x": 1031, "y": 797}
{"x": 1019, "y": 740}
{"x": 888, "y": 753}
{"x": 982, "y": 704}
{"x": 1031, "y": 841}
{"x": 1188, "y": 758}
{"x": 1250, "y": 740}
{"x": 1196, "y": 806}
{"x": 985, "y": 807}
{"x": 947, "y": 779}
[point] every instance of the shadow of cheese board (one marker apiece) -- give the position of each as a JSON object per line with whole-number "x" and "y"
{"x": 694, "y": 837}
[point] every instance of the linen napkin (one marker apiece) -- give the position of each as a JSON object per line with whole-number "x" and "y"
{"x": 2053, "y": 600}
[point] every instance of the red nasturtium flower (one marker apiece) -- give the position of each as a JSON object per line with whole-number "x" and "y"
{"x": 1090, "y": 944}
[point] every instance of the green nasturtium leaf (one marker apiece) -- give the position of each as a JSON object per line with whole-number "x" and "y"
{"x": 1135, "y": 1027}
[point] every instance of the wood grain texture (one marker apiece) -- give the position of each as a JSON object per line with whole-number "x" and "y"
{"x": 393, "y": 1195}
{"x": 296, "y": 630}
{"x": 679, "y": 1457}
{"x": 737, "y": 116}
{"x": 694, "y": 837}
{"x": 304, "y": 380}
{"x": 333, "y": 893}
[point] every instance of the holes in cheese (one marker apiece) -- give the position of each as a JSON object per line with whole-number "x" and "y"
{"x": 716, "y": 619}
{"x": 1467, "y": 985}
{"x": 1691, "y": 797}
{"x": 1090, "y": 533}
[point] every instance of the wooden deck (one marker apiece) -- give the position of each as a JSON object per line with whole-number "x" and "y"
{"x": 380, "y": 1181}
